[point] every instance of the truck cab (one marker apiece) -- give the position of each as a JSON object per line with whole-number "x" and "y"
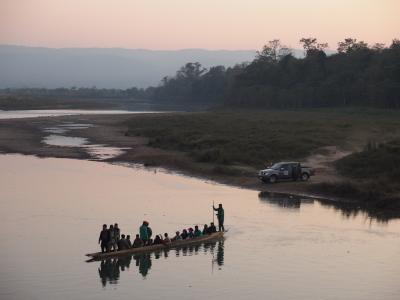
{"x": 284, "y": 171}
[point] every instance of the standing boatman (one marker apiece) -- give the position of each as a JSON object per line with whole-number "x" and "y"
{"x": 220, "y": 217}
{"x": 144, "y": 233}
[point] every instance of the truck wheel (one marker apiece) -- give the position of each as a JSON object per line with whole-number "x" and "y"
{"x": 305, "y": 177}
{"x": 272, "y": 179}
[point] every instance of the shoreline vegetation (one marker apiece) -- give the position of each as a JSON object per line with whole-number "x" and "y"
{"x": 355, "y": 152}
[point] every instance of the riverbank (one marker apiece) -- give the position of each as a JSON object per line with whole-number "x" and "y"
{"x": 187, "y": 143}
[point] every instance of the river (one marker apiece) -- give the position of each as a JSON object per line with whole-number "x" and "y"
{"x": 36, "y": 113}
{"x": 276, "y": 247}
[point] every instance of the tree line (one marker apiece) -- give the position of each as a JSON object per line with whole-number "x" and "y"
{"x": 358, "y": 74}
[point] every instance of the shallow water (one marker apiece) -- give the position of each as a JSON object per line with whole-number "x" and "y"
{"x": 277, "y": 247}
{"x": 96, "y": 151}
{"x": 64, "y": 141}
{"x": 103, "y": 152}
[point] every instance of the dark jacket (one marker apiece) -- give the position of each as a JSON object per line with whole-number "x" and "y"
{"x": 220, "y": 214}
{"x": 157, "y": 240}
{"x": 117, "y": 233}
{"x": 123, "y": 244}
{"x": 137, "y": 243}
{"x": 212, "y": 229}
{"x": 104, "y": 236}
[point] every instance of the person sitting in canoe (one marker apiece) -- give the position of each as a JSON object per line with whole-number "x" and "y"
{"x": 177, "y": 237}
{"x": 104, "y": 239}
{"x": 197, "y": 231}
{"x": 184, "y": 234}
{"x": 157, "y": 240}
{"x": 220, "y": 217}
{"x": 191, "y": 233}
{"x": 137, "y": 242}
{"x": 166, "y": 239}
{"x": 128, "y": 240}
{"x": 212, "y": 228}
{"x": 205, "y": 229}
{"x": 122, "y": 243}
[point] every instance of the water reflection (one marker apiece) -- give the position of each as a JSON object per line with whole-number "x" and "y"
{"x": 110, "y": 269}
{"x": 347, "y": 209}
{"x": 284, "y": 200}
{"x": 143, "y": 262}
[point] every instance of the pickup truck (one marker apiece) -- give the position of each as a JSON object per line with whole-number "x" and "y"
{"x": 284, "y": 171}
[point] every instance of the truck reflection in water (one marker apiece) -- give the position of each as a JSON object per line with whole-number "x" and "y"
{"x": 284, "y": 200}
{"x": 111, "y": 268}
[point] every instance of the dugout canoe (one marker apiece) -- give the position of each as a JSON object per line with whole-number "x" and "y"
{"x": 146, "y": 249}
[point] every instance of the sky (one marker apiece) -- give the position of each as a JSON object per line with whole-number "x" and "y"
{"x": 209, "y": 24}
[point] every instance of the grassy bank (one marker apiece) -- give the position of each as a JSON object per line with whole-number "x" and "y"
{"x": 374, "y": 173}
{"x": 368, "y": 196}
{"x": 255, "y": 138}
{"x": 238, "y": 143}
{"x": 378, "y": 163}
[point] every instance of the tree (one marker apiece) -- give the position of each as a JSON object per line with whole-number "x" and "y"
{"x": 395, "y": 44}
{"x": 357, "y": 75}
{"x": 351, "y": 45}
{"x": 311, "y": 46}
{"x": 378, "y": 47}
{"x": 190, "y": 71}
{"x": 273, "y": 52}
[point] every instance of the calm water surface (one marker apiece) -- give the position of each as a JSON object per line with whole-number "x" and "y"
{"x": 276, "y": 247}
{"x": 18, "y": 114}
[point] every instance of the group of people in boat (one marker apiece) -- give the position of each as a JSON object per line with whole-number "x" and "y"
{"x": 111, "y": 239}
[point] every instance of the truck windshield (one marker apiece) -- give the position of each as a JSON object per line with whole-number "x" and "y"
{"x": 276, "y": 166}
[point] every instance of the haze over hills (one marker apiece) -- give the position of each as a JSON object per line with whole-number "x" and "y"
{"x": 102, "y": 67}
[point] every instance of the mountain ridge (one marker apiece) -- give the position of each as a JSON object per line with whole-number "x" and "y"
{"x": 25, "y": 66}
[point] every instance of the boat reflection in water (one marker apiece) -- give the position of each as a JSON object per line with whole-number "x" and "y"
{"x": 111, "y": 268}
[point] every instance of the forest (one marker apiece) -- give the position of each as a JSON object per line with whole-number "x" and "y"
{"x": 356, "y": 75}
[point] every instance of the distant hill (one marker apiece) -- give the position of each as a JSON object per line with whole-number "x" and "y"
{"x": 102, "y": 67}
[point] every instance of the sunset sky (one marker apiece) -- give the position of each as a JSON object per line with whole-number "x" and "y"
{"x": 210, "y": 24}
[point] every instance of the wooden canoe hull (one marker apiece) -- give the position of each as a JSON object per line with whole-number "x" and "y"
{"x": 146, "y": 249}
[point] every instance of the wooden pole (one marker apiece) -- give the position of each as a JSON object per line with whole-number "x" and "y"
{"x": 213, "y": 211}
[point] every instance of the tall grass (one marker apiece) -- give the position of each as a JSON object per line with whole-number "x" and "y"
{"x": 378, "y": 162}
{"x": 256, "y": 137}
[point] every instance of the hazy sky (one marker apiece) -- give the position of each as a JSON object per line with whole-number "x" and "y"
{"x": 212, "y": 24}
